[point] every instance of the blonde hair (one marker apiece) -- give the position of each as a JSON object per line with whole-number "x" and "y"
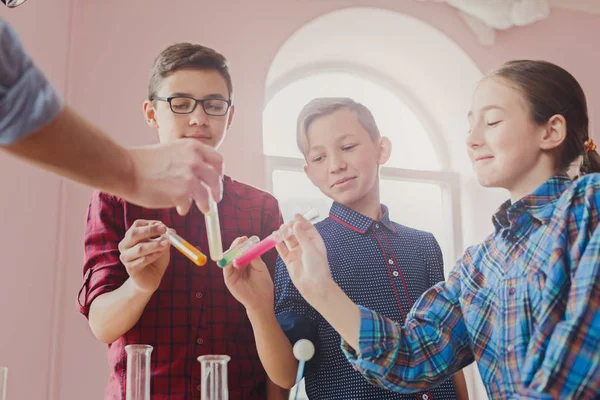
{"x": 323, "y": 106}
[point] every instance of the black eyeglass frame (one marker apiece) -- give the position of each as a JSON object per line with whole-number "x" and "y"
{"x": 201, "y": 101}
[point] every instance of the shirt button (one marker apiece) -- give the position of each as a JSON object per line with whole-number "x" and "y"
{"x": 391, "y": 262}
{"x": 200, "y": 341}
{"x": 199, "y": 387}
{"x": 425, "y": 397}
{"x": 377, "y": 226}
{"x": 510, "y": 347}
{"x": 512, "y": 291}
{"x": 395, "y": 273}
{"x": 198, "y": 295}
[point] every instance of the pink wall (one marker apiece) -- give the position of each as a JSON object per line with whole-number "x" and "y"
{"x": 101, "y": 63}
{"x": 31, "y": 220}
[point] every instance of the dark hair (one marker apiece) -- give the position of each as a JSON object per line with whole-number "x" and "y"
{"x": 186, "y": 55}
{"x": 551, "y": 90}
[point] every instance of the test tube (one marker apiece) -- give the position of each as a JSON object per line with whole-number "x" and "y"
{"x": 3, "y": 382}
{"x": 270, "y": 242}
{"x": 195, "y": 255}
{"x": 138, "y": 371}
{"x": 213, "y": 231}
{"x": 230, "y": 254}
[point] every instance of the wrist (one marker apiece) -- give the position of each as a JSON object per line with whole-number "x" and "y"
{"x": 321, "y": 292}
{"x": 326, "y": 297}
{"x": 129, "y": 180}
{"x": 261, "y": 315}
{"x": 136, "y": 292}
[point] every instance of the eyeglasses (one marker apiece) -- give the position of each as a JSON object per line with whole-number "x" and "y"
{"x": 13, "y": 3}
{"x": 187, "y": 105}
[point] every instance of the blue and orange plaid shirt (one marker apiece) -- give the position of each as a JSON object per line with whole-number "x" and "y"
{"x": 525, "y": 304}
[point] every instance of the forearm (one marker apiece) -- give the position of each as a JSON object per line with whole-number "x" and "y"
{"x": 275, "y": 392}
{"x": 341, "y": 313}
{"x": 461, "y": 386}
{"x": 72, "y": 147}
{"x": 274, "y": 349}
{"x": 115, "y": 313}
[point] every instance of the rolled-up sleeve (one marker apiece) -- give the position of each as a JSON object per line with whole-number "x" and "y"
{"x": 103, "y": 271}
{"x": 27, "y": 100}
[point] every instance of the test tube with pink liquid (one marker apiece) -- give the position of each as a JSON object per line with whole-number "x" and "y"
{"x": 270, "y": 241}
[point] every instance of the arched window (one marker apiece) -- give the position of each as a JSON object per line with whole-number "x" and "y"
{"x": 418, "y": 84}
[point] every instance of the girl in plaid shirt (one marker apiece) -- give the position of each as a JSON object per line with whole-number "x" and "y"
{"x": 524, "y": 303}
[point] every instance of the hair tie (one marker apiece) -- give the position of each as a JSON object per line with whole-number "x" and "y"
{"x": 589, "y": 145}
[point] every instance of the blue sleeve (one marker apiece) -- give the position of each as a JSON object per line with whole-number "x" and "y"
{"x": 27, "y": 100}
{"x": 297, "y": 318}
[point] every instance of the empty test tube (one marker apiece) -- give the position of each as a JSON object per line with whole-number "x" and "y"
{"x": 195, "y": 255}
{"x": 270, "y": 242}
{"x": 213, "y": 231}
{"x": 230, "y": 254}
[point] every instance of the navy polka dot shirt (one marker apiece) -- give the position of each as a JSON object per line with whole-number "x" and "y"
{"x": 380, "y": 265}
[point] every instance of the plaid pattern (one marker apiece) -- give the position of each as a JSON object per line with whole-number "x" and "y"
{"x": 192, "y": 313}
{"x": 525, "y": 304}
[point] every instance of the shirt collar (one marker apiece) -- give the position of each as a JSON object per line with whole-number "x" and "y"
{"x": 358, "y": 222}
{"x": 539, "y": 205}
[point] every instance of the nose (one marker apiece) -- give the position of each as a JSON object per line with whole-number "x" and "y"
{"x": 198, "y": 116}
{"x": 337, "y": 163}
{"x": 475, "y": 137}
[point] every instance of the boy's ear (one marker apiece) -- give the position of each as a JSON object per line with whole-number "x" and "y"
{"x": 307, "y": 171}
{"x": 555, "y": 133}
{"x": 230, "y": 118}
{"x": 384, "y": 146}
{"x": 150, "y": 114}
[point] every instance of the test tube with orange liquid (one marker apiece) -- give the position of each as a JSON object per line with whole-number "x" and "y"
{"x": 195, "y": 255}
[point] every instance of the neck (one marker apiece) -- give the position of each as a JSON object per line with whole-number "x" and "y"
{"x": 369, "y": 205}
{"x": 528, "y": 183}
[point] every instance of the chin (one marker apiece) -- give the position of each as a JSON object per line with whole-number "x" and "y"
{"x": 489, "y": 181}
{"x": 347, "y": 198}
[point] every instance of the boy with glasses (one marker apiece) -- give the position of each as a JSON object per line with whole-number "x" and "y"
{"x": 135, "y": 290}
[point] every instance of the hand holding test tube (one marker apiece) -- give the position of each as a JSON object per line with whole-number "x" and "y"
{"x": 270, "y": 242}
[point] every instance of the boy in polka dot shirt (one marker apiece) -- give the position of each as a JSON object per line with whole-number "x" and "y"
{"x": 379, "y": 264}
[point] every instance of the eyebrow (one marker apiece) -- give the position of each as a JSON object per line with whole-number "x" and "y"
{"x": 320, "y": 146}
{"x": 491, "y": 106}
{"x": 209, "y": 96}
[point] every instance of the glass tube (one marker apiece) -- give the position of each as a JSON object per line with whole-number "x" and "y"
{"x": 213, "y": 231}
{"x": 270, "y": 241}
{"x": 195, "y": 255}
{"x": 138, "y": 371}
{"x": 214, "y": 377}
{"x": 3, "y": 382}
{"x": 231, "y": 254}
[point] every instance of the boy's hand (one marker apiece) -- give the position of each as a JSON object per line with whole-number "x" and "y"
{"x": 305, "y": 257}
{"x": 144, "y": 254}
{"x": 252, "y": 286}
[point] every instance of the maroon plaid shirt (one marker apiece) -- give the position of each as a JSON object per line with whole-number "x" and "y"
{"x": 192, "y": 313}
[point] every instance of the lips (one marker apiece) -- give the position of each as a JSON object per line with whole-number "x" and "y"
{"x": 342, "y": 181}
{"x": 482, "y": 158}
{"x": 199, "y": 137}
